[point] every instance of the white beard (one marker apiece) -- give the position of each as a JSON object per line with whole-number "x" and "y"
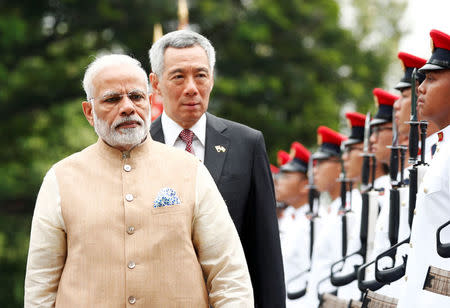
{"x": 127, "y": 137}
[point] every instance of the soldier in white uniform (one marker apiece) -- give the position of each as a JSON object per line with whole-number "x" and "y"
{"x": 353, "y": 148}
{"x": 327, "y": 245}
{"x": 433, "y": 197}
{"x": 380, "y": 138}
{"x": 283, "y": 215}
{"x": 402, "y": 108}
{"x": 292, "y": 189}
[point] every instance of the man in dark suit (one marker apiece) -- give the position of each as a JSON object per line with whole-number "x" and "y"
{"x": 235, "y": 155}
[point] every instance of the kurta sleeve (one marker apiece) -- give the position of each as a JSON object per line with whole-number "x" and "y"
{"x": 218, "y": 247}
{"x": 47, "y": 251}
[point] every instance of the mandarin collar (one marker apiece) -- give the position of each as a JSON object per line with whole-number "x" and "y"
{"x": 111, "y": 153}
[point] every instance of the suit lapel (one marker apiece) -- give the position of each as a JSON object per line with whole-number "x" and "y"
{"x": 156, "y": 130}
{"x": 215, "y": 157}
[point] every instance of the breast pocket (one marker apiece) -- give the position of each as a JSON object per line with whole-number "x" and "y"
{"x": 432, "y": 185}
{"x": 168, "y": 209}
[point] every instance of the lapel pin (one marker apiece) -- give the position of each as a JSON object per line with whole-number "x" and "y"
{"x": 220, "y": 148}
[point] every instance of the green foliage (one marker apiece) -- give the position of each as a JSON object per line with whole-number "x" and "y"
{"x": 283, "y": 67}
{"x": 14, "y": 239}
{"x": 288, "y": 67}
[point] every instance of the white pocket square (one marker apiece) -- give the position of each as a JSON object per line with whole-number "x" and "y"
{"x": 166, "y": 197}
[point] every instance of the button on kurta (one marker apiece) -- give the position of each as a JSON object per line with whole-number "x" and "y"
{"x": 130, "y": 230}
{"x": 132, "y": 300}
{"x": 131, "y": 265}
{"x": 127, "y": 168}
{"x": 129, "y": 197}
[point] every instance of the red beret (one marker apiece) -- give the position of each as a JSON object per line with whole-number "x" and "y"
{"x": 274, "y": 169}
{"x": 300, "y": 152}
{"x": 384, "y": 97}
{"x": 440, "y": 39}
{"x": 327, "y": 135}
{"x": 410, "y": 60}
{"x": 356, "y": 119}
{"x": 282, "y": 157}
{"x": 440, "y": 57}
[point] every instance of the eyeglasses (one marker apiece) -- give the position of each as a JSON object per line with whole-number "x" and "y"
{"x": 377, "y": 129}
{"x": 136, "y": 96}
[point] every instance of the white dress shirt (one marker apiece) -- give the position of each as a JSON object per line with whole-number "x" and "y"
{"x": 172, "y": 131}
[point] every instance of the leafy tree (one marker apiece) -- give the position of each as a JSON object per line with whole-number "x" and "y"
{"x": 284, "y": 67}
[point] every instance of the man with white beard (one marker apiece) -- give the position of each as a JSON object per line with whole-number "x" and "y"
{"x": 131, "y": 221}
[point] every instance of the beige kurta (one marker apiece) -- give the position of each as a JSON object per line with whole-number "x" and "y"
{"x": 100, "y": 237}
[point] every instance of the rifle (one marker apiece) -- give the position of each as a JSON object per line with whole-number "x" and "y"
{"x": 343, "y": 210}
{"x": 343, "y": 213}
{"x": 396, "y": 272}
{"x": 369, "y": 212}
{"x": 394, "y": 201}
{"x": 443, "y": 250}
{"x": 312, "y": 197}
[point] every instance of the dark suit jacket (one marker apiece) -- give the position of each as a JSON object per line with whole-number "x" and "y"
{"x": 242, "y": 174}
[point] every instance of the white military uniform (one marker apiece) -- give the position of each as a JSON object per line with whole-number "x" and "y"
{"x": 395, "y": 288}
{"x": 432, "y": 210}
{"x": 351, "y": 290}
{"x": 381, "y": 240}
{"x": 295, "y": 249}
{"x": 284, "y": 224}
{"x": 327, "y": 250}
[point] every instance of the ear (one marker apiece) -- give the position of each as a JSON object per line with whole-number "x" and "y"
{"x": 212, "y": 81}
{"x": 87, "y": 110}
{"x": 154, "y": 81}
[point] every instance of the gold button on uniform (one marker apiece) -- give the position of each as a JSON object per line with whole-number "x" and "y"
{"x": 131, "y": 265}
{"x": 129, "y": 197}
{"x": 130, "y": 230}
{"x": 410, "y": 245}
{"x": 415, "y": 211}
{"x": 425, "y": 190}
{"x": 403, "y": 203}
{"x": 127, "y": 168}
{"x": 132, "y": 300}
